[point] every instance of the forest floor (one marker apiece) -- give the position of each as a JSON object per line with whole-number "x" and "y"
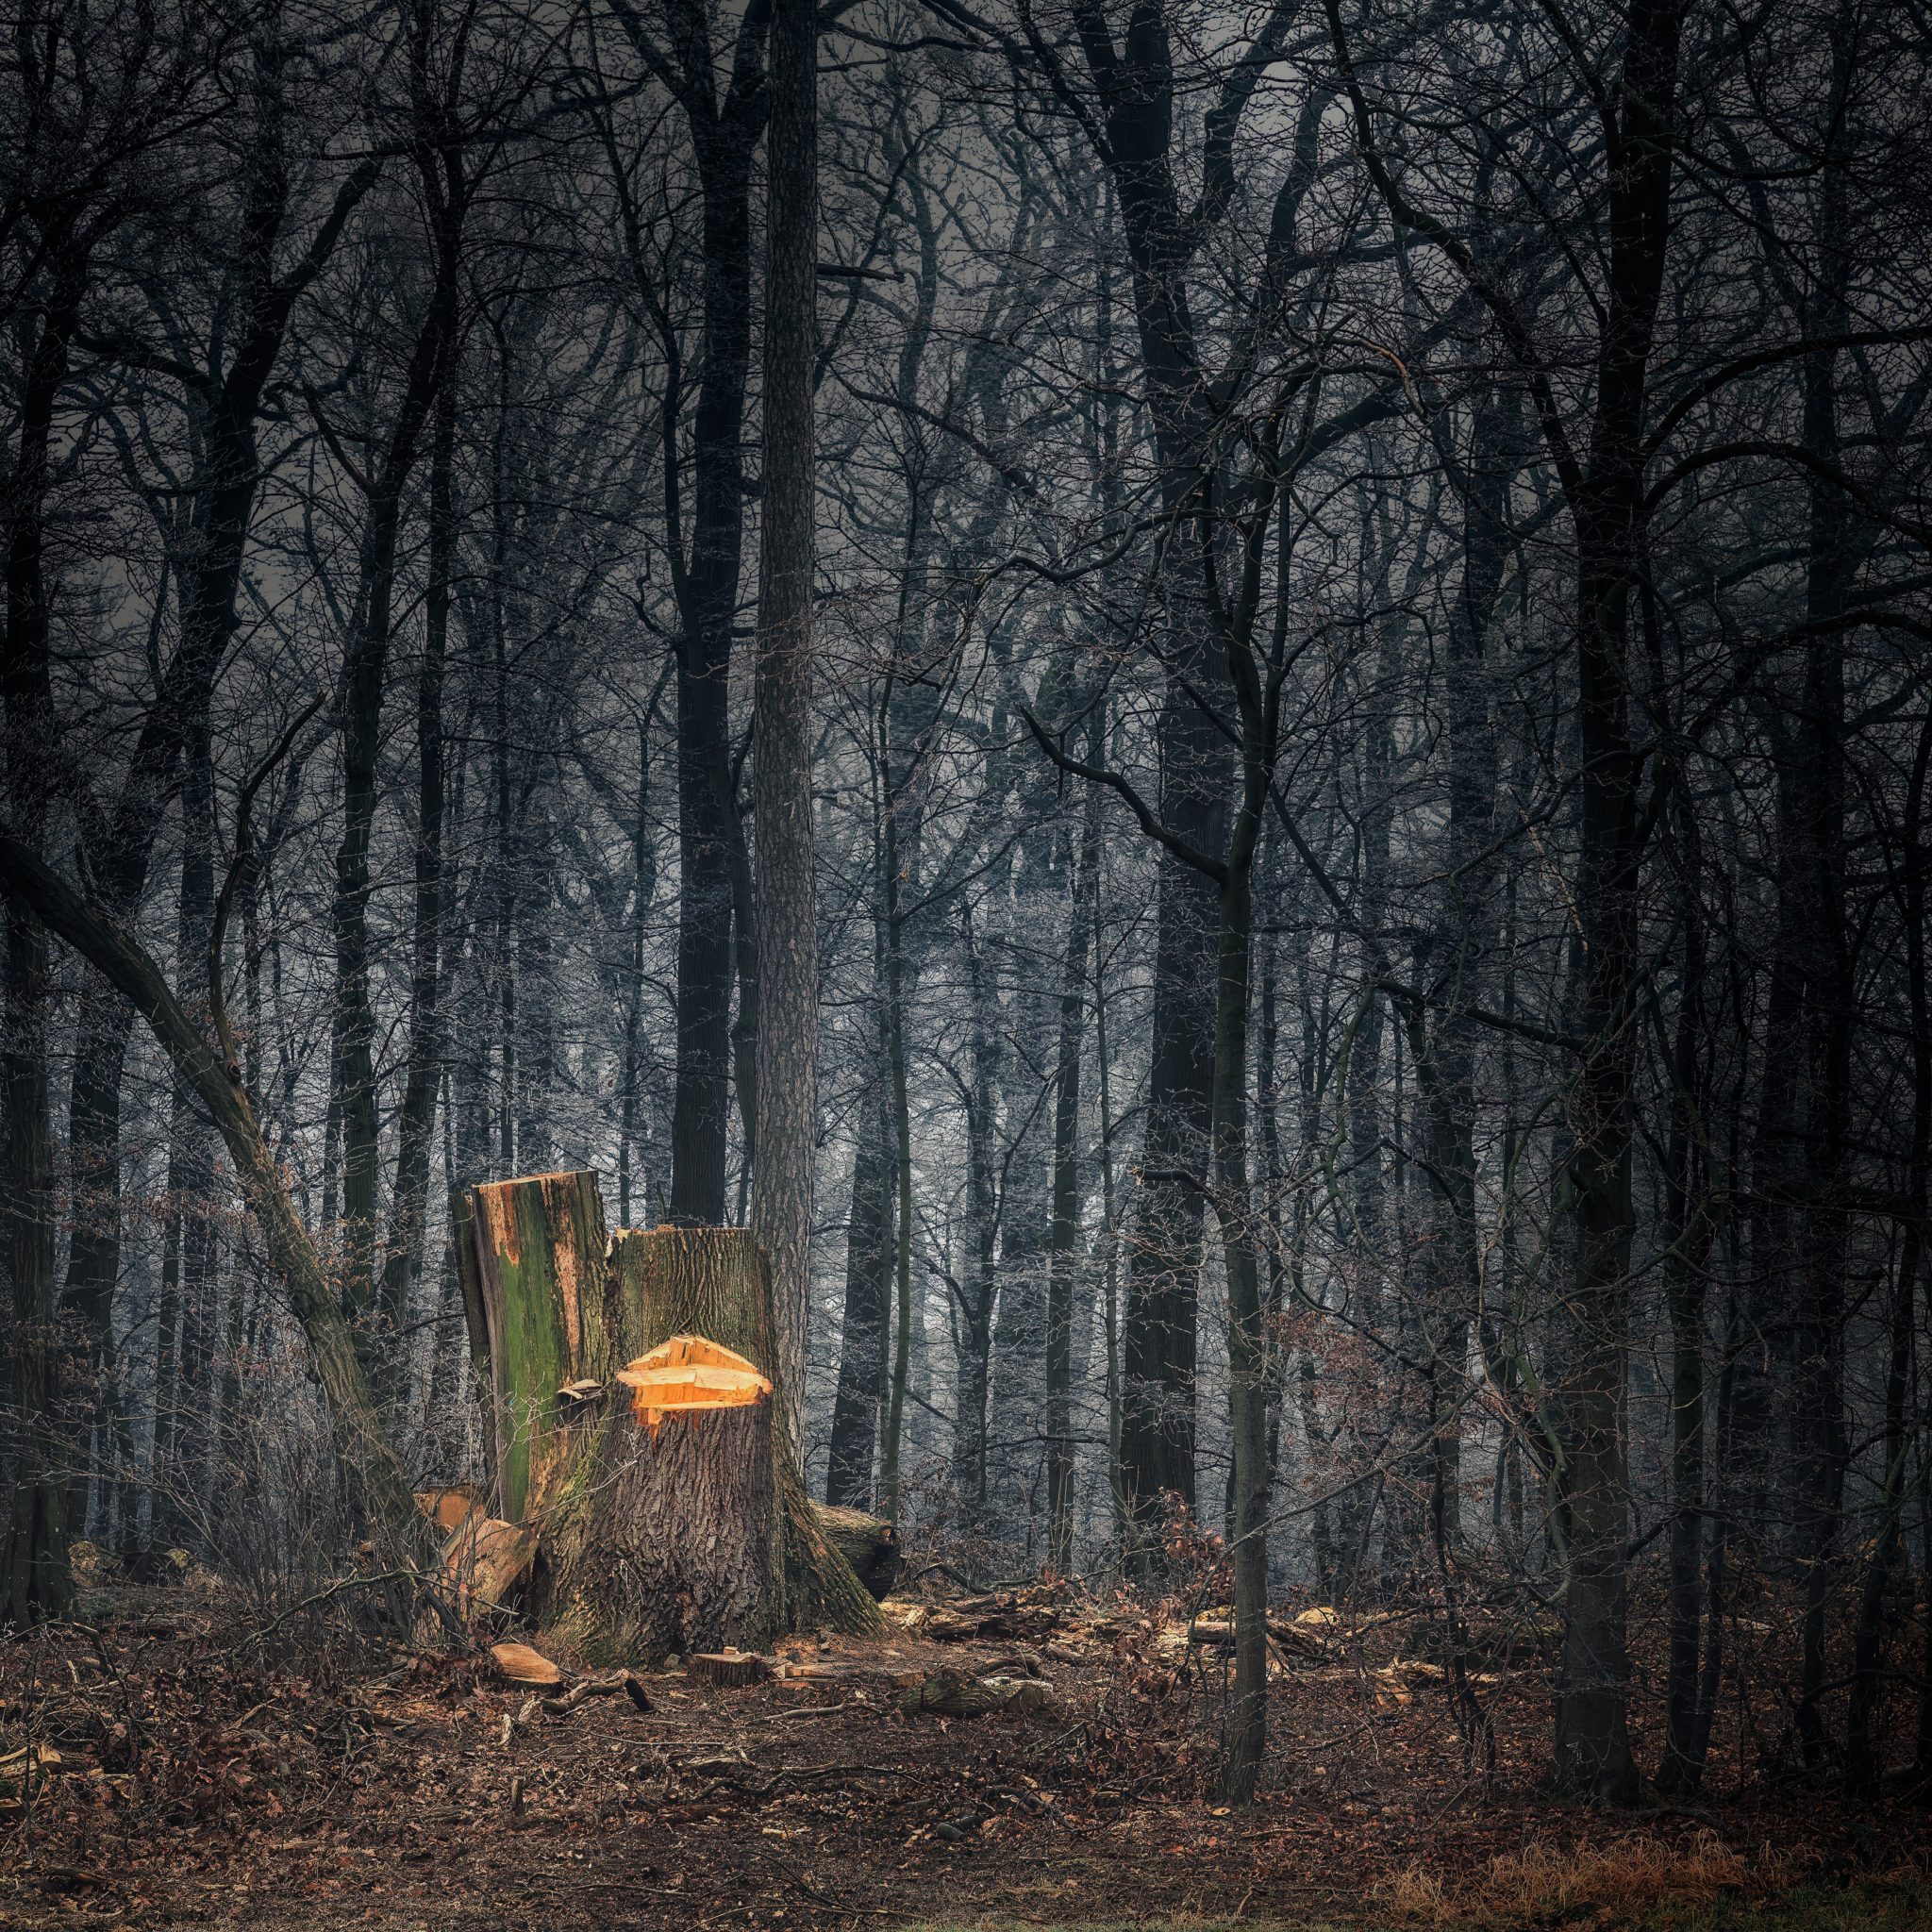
{"x": 164, "y": 1772}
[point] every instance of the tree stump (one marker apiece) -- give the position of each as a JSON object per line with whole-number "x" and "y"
{"x": 668, "y": 1514}
{"x": 727, "y": 1669}
{"x": 668, "y": 1537}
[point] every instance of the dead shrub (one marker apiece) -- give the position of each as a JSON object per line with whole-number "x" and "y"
{"x": 1608, "y": 1884}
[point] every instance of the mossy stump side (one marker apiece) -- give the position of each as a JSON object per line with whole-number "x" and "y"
{"x": 531, "y": 1262}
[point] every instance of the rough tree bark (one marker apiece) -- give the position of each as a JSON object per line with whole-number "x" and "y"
{"x": 787, "y": 1054}
{"x": 441, "y": 158}
{"x": 1084, "y": 865}
{"x": 38, "y": 1582}
{"x": 692, "y": 1533}
{"x": 670, "y": 1537}
{"x": 532, "y": 1268}
{"x": 868, "y": 1272}
{"x": 713, "y": 903}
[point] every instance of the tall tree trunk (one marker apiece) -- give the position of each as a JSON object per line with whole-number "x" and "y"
{"x": 1109, "y": 1236}
{"x": 38, "y": 1582}
{"x": 441, "y": 160}
{"x": 714, "y": 915}
{"x": 182, "y": 1441}
{"x": 1084, "y": 864}
{"x": 786, "y": 900}
{"x": 1247, "y": 1341}
{"x": 981, "y": 1283}
{"x": 868, "y": 1277}
{"x": 892, "y": 1449}
{"x": 361, "y": 715}
{"x": 1687, "y": 1233}
{"x": 423, "y": 1079}
{"x": 1829, "y": 970}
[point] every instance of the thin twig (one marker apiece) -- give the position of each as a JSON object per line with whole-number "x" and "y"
{"x": 340, "y": 1588}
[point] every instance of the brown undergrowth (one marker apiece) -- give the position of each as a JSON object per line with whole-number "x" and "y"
{"x": 168, "y": 1771}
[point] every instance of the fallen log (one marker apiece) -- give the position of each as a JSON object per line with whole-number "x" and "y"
{"x": 867, "y": 1543}
{"x": 960, "y": 1693}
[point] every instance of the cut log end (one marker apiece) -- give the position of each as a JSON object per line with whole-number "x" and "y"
{"x": 690, "y": 1373}
{"x": 728, "y": 1668}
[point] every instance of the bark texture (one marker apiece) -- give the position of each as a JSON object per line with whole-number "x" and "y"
{"x": 786, "y": 1053}
{"x": 694, "y": 1534}
{"x": 669, "y": 1539}
{"x": 533, "y": 1271}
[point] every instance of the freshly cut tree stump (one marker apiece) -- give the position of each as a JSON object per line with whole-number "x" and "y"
{"x": 668, "y": 1537}
{"x": 629, "y": 1423}
{"x": 677, "y": 1280}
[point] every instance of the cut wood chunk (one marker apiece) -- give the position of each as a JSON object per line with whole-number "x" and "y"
{"x": 487, "y": 1559}
{"x": 729, "y": 1667}
{"x": 448, "y": 1509}
{"x": 521, "y": 1665}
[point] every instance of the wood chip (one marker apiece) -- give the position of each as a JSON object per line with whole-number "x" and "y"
{"x": 520, "y": 1664}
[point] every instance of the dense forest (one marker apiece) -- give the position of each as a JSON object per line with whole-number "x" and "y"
{"x": 1226, "y": 711}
